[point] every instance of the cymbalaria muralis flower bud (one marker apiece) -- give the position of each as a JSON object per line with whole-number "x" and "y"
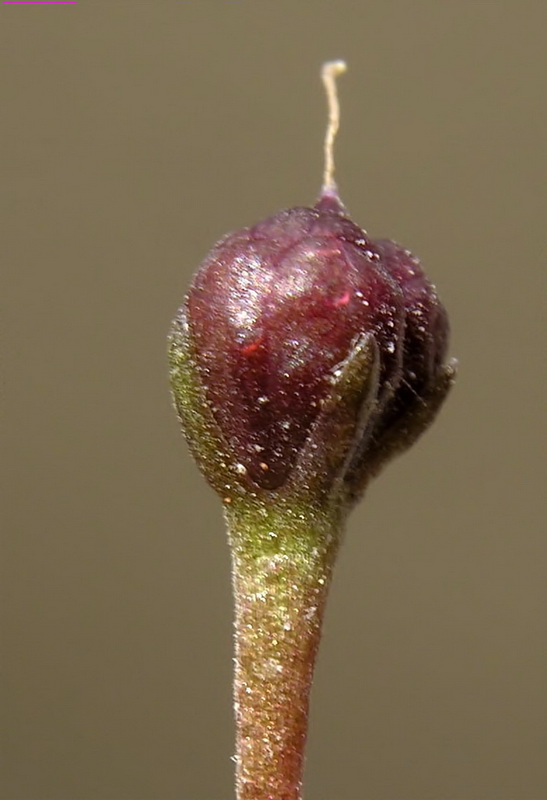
{"x": 305, "y": 355}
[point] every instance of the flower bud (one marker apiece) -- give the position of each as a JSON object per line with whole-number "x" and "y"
{"x": 273, "y": 312}
{"x": 306, "y": 354}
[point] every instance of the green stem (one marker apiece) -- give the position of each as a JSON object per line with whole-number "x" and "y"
{"x": 282, "y": 565}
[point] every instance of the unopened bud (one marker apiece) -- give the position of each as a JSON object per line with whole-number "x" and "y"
{"x": 306, "y": 353}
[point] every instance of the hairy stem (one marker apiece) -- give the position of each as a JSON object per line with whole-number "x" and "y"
{"x": 282, "y": 564}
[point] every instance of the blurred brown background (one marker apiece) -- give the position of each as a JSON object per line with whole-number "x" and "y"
{"x": 137, "y": 133}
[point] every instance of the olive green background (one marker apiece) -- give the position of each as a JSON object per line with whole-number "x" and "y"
{"x": 136, "y": 134}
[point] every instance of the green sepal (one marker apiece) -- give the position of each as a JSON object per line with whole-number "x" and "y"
{"x": 207, "y": 444}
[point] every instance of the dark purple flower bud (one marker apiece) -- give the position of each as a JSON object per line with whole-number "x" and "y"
{"x": 314, "y": 350}
{"x": 274, "y": 309}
